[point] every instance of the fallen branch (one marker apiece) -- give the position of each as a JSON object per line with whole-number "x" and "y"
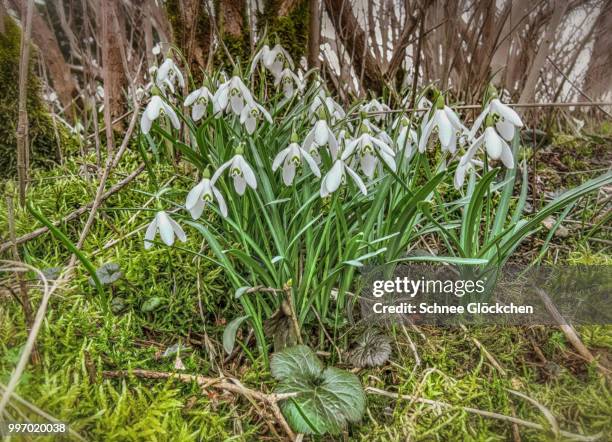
{"x": 75, "y": 214}
{"x": 227, "y": 384}
{"x": 489, "y": 414}
{"x": 570, "y": 333}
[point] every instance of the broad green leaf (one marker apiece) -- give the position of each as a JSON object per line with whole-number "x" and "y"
{"x": 326, "y": 399}
{"x": 229, "y": 334}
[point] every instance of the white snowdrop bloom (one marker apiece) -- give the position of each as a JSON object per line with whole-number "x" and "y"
{"x": 156, "y": 49}
{"x": 273, "y": 59}
{"x": 167, "y": 74}
{"x": 378, "y": 132}
{"x": 464, "y": 166}
{"x": 240, "y": 171}
{"x": 446, "y": 124}
{"x": 368, "y": 148}
{"x": 407, "y": 138}
{"x": 322, "y": 105}
{"x": 496, "y": 147}
{"x": 233, "y": 93}
{"x": 203, "y": 194}
{"x": 198, "y": 100}
{"x": 290, "y": 82}
{"x": 251, "y": 112}
{"x": 507, "y": 119}
{"x": 376, "y": 106}
{"x": 337, "y": 175}
{"x": 168, "y": 229}
{"x": 156, "y": 108}
{"x": 291, "y": 158}
{"x": 320, "y": 135}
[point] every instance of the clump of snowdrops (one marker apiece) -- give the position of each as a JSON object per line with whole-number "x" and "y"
{"x": 294, "y": 192}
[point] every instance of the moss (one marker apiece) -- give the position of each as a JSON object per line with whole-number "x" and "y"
{"x": 238, "y": 46}
{"x": 291, "y": 30}
{"x": 42, "y": 136}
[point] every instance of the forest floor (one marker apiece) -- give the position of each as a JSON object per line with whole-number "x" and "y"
{"x": 167, "y": 297}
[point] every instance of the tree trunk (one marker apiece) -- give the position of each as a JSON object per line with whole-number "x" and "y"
{"x": 529, "y": 89}
{"x": 63, "y": 83}
{"x": 115, "y": 78}
{"x": 356, "y": 43}
{"x": 598, "y": 81}
{"x": 314, "y": 34}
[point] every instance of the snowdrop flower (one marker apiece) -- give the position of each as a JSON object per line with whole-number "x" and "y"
{"x": 290, "y": 83}
{"x": 167, "y": 227}
{"x": 337, "y": 175}
{"x": 497, "y": 148}
{"x": 322, "y": 104}
{"x": 156, "y": 49}
{"x": 240, "y": 171}
{"x": 376, "y": 106}
{"x": 167, "y": 74}
{"x": 319, "y": 136}
{"x": 198, "y": 100}
{"x": 464, "y": 166}
{"x": 368, "y": 148}
{"x": 251, "y": 113}
{"x": 446, "y": 124}
{"x": 233, "y": 93}
{"x": 407, "y": 138}
{"x": 377, "y": 131}
{"x": 507, "y": 119}
{"x": 273, "y": 59}
{"x": 202, "y": 195}
{"x": 291, "y": 158}
{"x": 155, "y": 109}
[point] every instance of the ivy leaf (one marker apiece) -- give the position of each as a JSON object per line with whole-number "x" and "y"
{"x": 229, "y": 334}
{"x": 326, "y": 398}
{"x": 107, "y": 273}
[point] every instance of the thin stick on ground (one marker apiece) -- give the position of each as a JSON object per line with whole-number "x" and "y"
{"x": 483, "y": 413}
{"x": 23, "y": 286}
{"x": 12, "y": 266}
{"x": 225, "y": 383}
{"x": 570, "y": 333}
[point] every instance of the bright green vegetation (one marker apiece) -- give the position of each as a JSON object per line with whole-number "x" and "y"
{"x": 78, "y": 340}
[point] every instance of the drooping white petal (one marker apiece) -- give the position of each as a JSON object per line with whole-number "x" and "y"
{"x": 505, "y": 129}
{"x": 197, "y": 111}
{"x": 357, "y": 180}
{"x": 239, "y": 184}
{"x": 445, "y": 128}
{"x": 334, "y": 177}
{"x": 249, "y": 176}
{"x": 288, "y": 173}
{"x": 195, "y": 194}
{"x": 493, "y": 143}
{"x": 425, "y": 134}
{"x": 220, "y": 201}
{"x": 150, "y": 233}
{"x": 178, "y": 230}
{"x": 280, "y": 157}
{"x": 506, "y": 112}
{"x": 506, "y": 155}
{"x": 368, "y": 164}
{"x": 165, "y": 228}
{"x": 145, "y": 123}
{"x": 311, "y": 163}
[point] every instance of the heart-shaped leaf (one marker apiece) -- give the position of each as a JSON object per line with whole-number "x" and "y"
{"x": 326, "y": 399}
